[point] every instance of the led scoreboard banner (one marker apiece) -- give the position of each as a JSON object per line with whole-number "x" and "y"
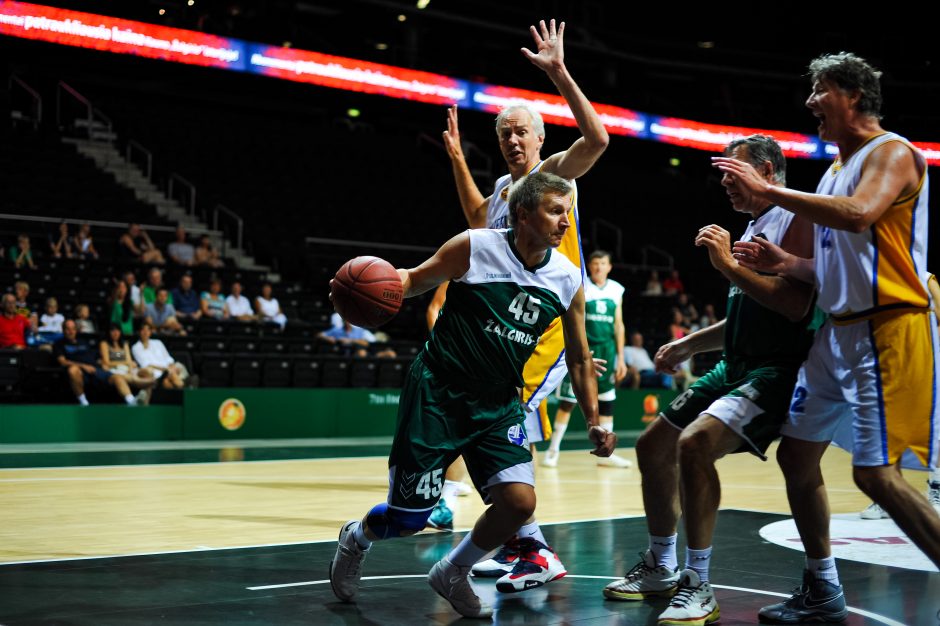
{"x": 99, "y": 32}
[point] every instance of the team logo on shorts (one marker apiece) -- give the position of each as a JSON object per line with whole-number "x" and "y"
{"x": 231, "y": 414}
{"x": 517, "y": 435}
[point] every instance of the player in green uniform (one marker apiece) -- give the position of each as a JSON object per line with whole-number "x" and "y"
{"x": 603, "y": 321}
{"x": 460, "y": 396}
{"x": 738, "y": 406}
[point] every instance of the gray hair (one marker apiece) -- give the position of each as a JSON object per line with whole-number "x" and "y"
{"x": 538, "y": 125}
{"x": 850, "y": 73}
{"x": 527, "y": 192}
{"x": 762, "y": 149}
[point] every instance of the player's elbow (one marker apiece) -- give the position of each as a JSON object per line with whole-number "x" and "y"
{"x": 599, "y": 141}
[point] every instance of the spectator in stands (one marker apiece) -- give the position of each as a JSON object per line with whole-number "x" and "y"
{"x": 181, "y": 251}
{"x": 61, "y": 246}
{"x": 151, "y": 354}
{"x": 206, "y": 255}
{"x": 212, "y": 302}
{"x": 352, "y": 339}
{"x": 688, "y": 310}
{"x": 83, "y": 319}
{"x": 640, "y": 369}
{"x": 136, "y": 296}
{"x": 51, "y": 320}
{"x": 136, "y": 245}
{"x": 239, "y": 307}
{"x": 268, "y": 308}
{"x": 36, "y": 338}
{"x": 84, "y": 244}
{"x": 81, "y": 363}
{"x": 154, "y": 282}
{"x": 122, "y": 311}
{"x": 22, "y": 253}
{"x": 161, "y": 315}
{"x": 708, "y": 317}
{"x": 673, "y": 285}
{"x": 13, "y": 326}
{"x": 653, "y": 286}
{"x": 21, "y": 293}
{"x": 116, "y": 358}
{"x": 677, "y": 327}
{"x": 186, "y": 300}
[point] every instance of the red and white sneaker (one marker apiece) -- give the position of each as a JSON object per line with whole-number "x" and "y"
{"x": 502, "y": 563}
{"x": 537, "y": 565}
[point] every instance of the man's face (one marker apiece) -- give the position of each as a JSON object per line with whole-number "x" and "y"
{"x": 70, "y": 330}
{"x": 180, "y": 235}
{"x": 517, "y": 140}
{"x": 549, "y": 222}
{"x": 162, "y": 297}
{"x": 9, "y": 304}
{"x": 636, "y": 340}
{"x": 741, "y": 199}
{"x": 832, "y": 105}
{"x": 236, "y": 289}
{"x": 134, "y": 230}
{"x": 186, "y": 283}
{"x": 22, "y": 291}
{"x": 599, "y": 268}
{"x": 130, "y": 279}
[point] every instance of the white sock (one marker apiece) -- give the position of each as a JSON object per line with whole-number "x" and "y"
{"x": 664, "y": 551}
{"x": 558, "y": 433}
{"x": 934, "y": 475}
{"x": 532, "y": 531}
{"x": 360, "y": 536}
{"x": 449, "y": 493}
{"x": 131, "y": 400}
{"x": 824, "y": 569}
{"x": 466, "y": 553}
{"x": 698, "y": 561}
{"x": 82, "y": 400}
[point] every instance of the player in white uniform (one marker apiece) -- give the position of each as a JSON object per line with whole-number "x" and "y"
{"x": 867, "y": 383}
{"x": 521, "y": 132}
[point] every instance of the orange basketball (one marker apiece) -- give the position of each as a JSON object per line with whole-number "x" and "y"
{"x": 367, "y": 291}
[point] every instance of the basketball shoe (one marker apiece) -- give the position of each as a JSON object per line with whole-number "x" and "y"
{"x": 813, "y": 601}
{"x": 537, "y": 564}
{"x": 874, "y": 512}
{"x": 451, "y": 583}
{"x": 442, "y": 518}
{"x": 501, "y": 563}
{"x": 645, "y": 580}
{"x": 693, "y": 605}
{"x": 346, "y": 566}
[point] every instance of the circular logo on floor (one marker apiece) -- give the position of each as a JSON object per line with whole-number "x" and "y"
{"x": 231, "y": 414}
{"x": 870, "y": 541}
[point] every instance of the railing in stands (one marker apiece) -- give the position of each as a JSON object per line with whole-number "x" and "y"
{"x": 600, "y": 228}
{"x": 94, "y": 118}
{"x": 106, "y": 224}
{"x": 135, "y": 146}
{"x": 650, "y": 250}
{"x": 239, "y": 223}
{"x": 35, "y": 116}
{"x": 179, "y": 180}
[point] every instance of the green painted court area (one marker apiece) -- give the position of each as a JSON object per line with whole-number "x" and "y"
{"x": 288, "y": 584}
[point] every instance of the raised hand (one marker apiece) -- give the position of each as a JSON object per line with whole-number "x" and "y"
{"x": 717, "y": 241}
{"x": 549, "y": 43}
{"x": 745, "y": 176}
{"x": 452, "y": 135}
{"x": 670, "y": 356}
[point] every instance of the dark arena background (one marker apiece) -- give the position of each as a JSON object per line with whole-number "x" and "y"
{"x": 218, "y": 500}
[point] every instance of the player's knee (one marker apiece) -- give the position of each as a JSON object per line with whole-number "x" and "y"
{"x": 694, "y": 447}
{"x": 388, "y": 523}
{"x": 788, "y": 459}
{"x": 516, "y": 500}
{"x": 656, "y": 445}
{"x": 873, "y": 481}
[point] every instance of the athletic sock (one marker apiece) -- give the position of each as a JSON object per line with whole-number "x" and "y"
{"x": 532, "y": 531}
{"x": 131, "y": 400}
{"x": 449, "y": 493}
{"x": 664, "y": 551}
{"x": 933, "y": 476}
{"x": 360, "y": 536}
{"x": 82, "y": 400}
{"x": 699, "y": 561}
{"x": 824, "y": 569}
{"x": 558, "y": 433}
{"x": 467, "y": 553}
{"x": 607, "y": 423}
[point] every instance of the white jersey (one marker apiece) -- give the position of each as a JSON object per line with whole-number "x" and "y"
{"x": 884, "y": 267}
{"x": 612, "y": 290}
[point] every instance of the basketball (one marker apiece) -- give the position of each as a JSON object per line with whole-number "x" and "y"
{"x": 367, "y": 291}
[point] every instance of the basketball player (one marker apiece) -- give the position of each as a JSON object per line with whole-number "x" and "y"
{"x": 866, "y": 383}
{"x": 521, "y": 132}
{"x": 738, "y": 406}
{"x": 507, "y": 287}
{"x": 603, "y": 301}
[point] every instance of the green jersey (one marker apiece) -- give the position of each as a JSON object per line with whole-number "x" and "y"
{"x": 600, "y": 307}
{"x": 752, "y": 331}
{"x": 496, "y": 312}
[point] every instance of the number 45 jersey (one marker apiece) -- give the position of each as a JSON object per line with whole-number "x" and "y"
{"x": 496, "y": 312}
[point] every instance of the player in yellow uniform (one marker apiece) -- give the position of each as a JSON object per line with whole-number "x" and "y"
{"x": 521, "y": 132}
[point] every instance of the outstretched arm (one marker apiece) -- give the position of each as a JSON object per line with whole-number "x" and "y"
{"x": 583, "y": 378}
{"x": 471, "y": 200}
{"x": 451, "y": 261}
{"x": 550, "y": 58}
{"x": 670, "y": 355}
